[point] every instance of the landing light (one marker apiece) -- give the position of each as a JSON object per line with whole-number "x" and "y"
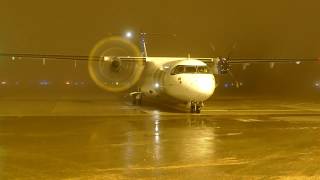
{"x": 129, "y": 34}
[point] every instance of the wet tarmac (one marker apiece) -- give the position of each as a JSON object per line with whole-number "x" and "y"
{"x": 103, "y": 139}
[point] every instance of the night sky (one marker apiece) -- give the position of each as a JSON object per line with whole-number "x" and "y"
{"x": 273, "y": 28}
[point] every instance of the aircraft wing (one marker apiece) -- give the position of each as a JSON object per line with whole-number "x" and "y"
{"x": 15, "y": 56}
{"x": 223, "y": 65}
{"x": 271, "y": 60}
{"x": 258, "y": 60}
{"x": 68, "y": 57}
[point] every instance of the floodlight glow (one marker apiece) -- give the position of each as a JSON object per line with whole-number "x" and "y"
{"x": 129, "y": 34}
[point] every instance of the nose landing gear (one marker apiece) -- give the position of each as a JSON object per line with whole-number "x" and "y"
{"x": 196, "y": 107}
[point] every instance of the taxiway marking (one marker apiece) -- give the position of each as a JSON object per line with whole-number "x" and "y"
{"x": 260, "y": 110}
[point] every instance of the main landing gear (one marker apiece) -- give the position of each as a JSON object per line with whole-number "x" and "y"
{"x": 196, "y": 107}
{"x": 136, "y": 98}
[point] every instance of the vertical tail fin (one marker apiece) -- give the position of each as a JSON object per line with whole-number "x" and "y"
{"x": 143, "y": 44}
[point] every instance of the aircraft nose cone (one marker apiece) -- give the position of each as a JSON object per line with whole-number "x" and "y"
{"x": 192, "y": 87}
{"x": 203, "y": 87}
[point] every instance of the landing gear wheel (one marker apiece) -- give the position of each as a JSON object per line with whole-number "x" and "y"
{"x": 137, "y": 99}
{"x": 195, "y": 107}
{"x": 198, "y": 109}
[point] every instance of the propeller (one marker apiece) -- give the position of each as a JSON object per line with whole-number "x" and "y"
{"x": 213, "y": 48}
{"x": 223, "y": 64}
{"x": 233, "y": 48}
{"x": 111, "y": 72}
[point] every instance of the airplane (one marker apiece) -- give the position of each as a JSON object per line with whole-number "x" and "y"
{"x": 118, "y": 65}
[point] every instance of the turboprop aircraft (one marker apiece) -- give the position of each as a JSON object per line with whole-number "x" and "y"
{"x": 117, "y": 65}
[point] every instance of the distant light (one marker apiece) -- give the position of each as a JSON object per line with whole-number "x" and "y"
{"x": 129, "y": 35}
{"x": 13, "y": 58}
{"x": 44, "y": 83}
{"x": 166, "y": 67}
{"x": 272, "y": 65}
{"x": 68, "y": 83}
{"x": 3, "y": 82}
{"x": 298, "y": 62}
{"x": 106, "y": 58}
{"x": 226, "y": 85}
{"x": 157, "y": 85}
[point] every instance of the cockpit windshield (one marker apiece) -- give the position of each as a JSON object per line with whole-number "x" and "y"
{"x": 190, "y": 69}
{"x": 187, "y": 69}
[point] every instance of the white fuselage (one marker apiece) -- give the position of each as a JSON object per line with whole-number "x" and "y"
{"x": 181, "y": 79}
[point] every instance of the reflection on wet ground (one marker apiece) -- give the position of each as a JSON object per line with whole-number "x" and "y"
{"x": 181, "y": 146}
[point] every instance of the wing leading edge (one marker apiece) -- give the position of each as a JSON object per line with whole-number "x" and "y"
{"x": 68, "y": 57}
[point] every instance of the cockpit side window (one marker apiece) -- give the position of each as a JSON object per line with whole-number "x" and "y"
{"x": 178, "y": 70}
{"x": 203, "y": 69}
